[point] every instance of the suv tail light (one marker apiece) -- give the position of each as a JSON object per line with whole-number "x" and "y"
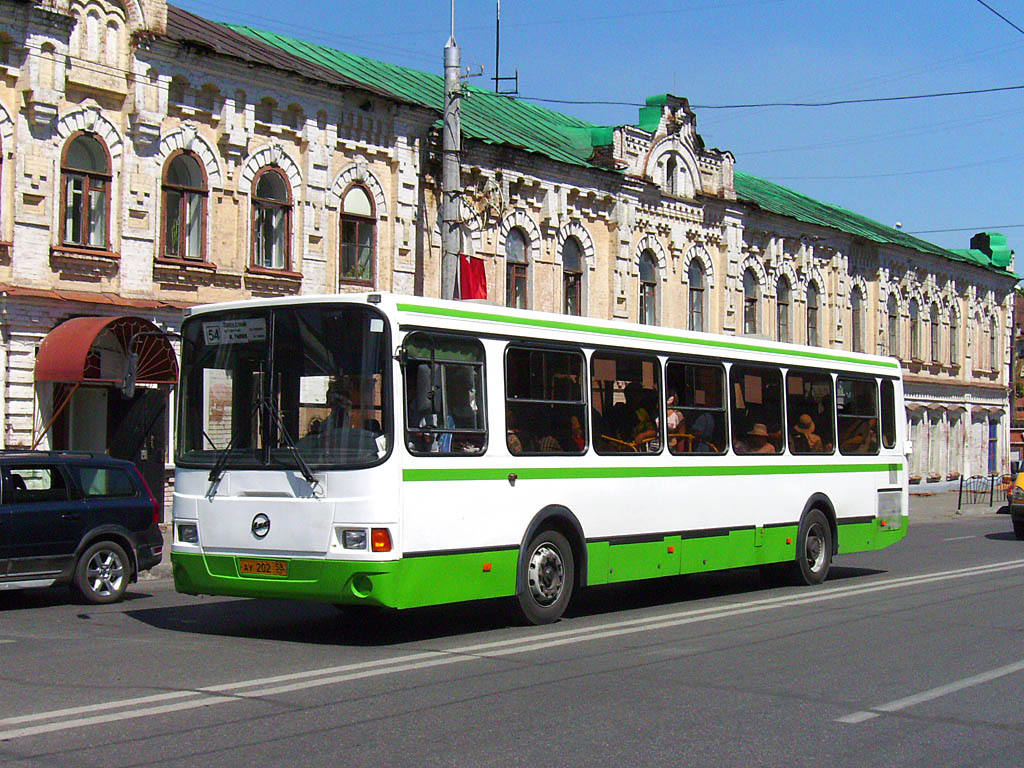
{"x": 152, "y": 498}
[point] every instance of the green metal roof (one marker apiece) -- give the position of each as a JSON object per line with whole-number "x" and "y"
{"x": 504, "y": 121}
{"x": 780, "y": 200}
{"x": 486, "y": 116}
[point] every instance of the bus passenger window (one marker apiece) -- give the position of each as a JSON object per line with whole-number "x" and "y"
{"x": 625, "y": 402}
{"x": 756, "y": 409}
{"x": 857, "y": 410}
{"x": 810, "y": 412}
{"x": 545, "y": 401}
{"x": 695, "y": 408}
{"x": 888, "y": 414}
{"x": 444, "y": 395}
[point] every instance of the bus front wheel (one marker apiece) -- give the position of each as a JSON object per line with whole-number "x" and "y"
{"x": 813, "y": 548}
{"x": 546, "y": 579}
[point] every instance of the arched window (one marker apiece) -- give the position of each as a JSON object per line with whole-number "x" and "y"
{"x": 516, "y": 265}
{"x": 993, "y": 345}
{"x": 915, "y": 331}
{"x": 954, "y": 338}
{"x": 648, "y": 288}
{"x": 113, "y": 44}
{"x": 271, "y": 219}
{"x": 812, "y": 314}
{"x": 695, "y": 279}
{"x": 671, "y": 170}
{"x": 782, "y": 304}
{"x": 184, "y": 208}
{"x": 358, "y": 233}
{"x": 751, "y": 300}
{"x": 85, "y": 171}
{"x": 572, "y": 277}
{"x": 935, "y": 351}
{"x": 856, "y": 320}
{"x": 892, "y": 317}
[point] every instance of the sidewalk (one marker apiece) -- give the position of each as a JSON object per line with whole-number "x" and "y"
{"x": 937, "y": 507}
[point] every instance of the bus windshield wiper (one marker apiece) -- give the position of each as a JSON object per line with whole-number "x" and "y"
{"x": 300, "y": 463}
{"x": 224, "y": 456}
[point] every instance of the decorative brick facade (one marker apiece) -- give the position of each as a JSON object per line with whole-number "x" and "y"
{"x": 148, "y": 93}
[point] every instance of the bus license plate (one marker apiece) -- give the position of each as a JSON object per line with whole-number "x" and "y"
{"x": 263, "y": 567}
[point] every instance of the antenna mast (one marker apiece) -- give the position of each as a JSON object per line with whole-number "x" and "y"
{"x": 497, "y": 58}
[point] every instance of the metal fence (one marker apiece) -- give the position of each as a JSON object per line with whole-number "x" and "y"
{"x": 977, "y": 489}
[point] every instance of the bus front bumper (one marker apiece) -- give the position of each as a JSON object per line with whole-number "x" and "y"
{"x": 405, "y": 583}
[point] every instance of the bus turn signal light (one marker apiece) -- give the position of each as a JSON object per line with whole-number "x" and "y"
{"x": 380, "y": 540}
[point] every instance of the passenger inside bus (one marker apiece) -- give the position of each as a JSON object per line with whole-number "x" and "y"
{"x": 803, "y": 438}
{"x": 756, "y": 441}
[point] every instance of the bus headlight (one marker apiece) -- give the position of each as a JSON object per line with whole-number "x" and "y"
{"x": 188, "y": 533}
{"x": 353, "y": 538}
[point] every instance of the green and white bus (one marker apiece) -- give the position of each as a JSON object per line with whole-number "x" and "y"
{"x": 398, "y": 451}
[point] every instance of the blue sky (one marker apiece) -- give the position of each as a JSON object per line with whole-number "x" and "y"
{"x": 935, "y": 164}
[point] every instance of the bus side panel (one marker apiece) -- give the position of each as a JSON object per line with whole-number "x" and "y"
{"x": 457, "y": 577}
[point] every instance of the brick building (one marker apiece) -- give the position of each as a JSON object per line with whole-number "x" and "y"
{"x": 151, "y": 159}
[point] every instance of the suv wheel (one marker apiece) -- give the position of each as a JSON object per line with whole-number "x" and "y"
{"x": 102, "y": 573}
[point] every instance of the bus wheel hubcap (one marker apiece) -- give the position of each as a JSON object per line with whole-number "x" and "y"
{"x": 546, "y": 574}
{"x": 815, "y": 547}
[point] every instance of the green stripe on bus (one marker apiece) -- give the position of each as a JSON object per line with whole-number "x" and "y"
{"x": 413, "y": 581}
{"x": 564, "y": 325}
{"x": 588, "y": 473}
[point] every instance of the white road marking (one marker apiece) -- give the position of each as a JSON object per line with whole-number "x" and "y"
{"x": 934, "y": 693}
{"x": 960, "y": 538}
{"x": 175, "y": 701}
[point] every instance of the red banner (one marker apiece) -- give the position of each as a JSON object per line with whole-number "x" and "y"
{"x": 472, "y": 278}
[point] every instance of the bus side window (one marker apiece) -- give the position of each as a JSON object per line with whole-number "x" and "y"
{"x": 810, "y": 412}
{"x": 695, "y": 408}
{"x": 857, "y": 410}
{"x": 756, "y": 409}
{"x": 625, "y": 401}
{"x": 888, "y": 414}
{"x": 444, "y": 395}
{"x": 545, "y": 401}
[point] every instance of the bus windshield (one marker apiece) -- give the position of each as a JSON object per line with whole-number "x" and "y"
{"x": 260, "y": 385}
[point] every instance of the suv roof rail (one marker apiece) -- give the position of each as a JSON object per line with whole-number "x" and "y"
{"x": 38, "y": 452}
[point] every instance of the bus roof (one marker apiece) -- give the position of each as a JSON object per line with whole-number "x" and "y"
{"x": 491, "y": 319}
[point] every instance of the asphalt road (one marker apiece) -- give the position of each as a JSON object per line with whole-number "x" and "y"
{"x": 912, "y": 656}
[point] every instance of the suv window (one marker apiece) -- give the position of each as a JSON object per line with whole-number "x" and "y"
{"x": 34, "y": 484}
{"x": 103, "y": 482}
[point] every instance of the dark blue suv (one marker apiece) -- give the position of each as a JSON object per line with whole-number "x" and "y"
{"x": 75, "y": 518}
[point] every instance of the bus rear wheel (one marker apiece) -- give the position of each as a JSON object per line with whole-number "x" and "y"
{"x": 813, "y": 548}
{"x": 547, "y": 576}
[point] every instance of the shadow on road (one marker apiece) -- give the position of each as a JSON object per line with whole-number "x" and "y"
{"x": 46, "y": 597}
{"x": 316, "y": 623}
{"x": 1001, "y": 536}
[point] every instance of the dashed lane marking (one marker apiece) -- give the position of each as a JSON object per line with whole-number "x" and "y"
{"x": 933, "y": 693}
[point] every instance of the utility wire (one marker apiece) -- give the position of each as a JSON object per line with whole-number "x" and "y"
{"x": 758, "y": 105}
{"x": 965, "y": 229}
{"x": 997, "y": 13}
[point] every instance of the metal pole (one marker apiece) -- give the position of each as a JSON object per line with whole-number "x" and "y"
{"x": 497, "y": 46}
{"x": 960, "y": 495}
{"x": 451, "y": 181}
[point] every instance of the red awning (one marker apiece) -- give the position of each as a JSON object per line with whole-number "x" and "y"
{"x": 97, "y": 350}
